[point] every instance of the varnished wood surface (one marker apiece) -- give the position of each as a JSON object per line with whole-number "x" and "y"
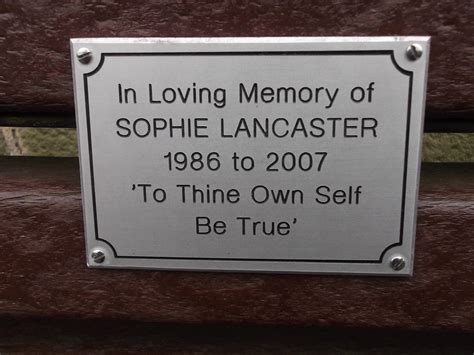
{"x": 35, "y": 68}
{"x": 60, "y": 336}
{"x": 43, "y": 271}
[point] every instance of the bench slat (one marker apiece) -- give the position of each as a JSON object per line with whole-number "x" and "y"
{"x": 43, "y": 271}
{"x": 35, "y": 68}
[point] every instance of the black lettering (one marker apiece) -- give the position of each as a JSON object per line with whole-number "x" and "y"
{"x": 127, "y": 130}
{"x": 319, "y": 192}
{"x": 267, "y": 94}
{"x": 203, "y": 225}
{"x": 130, "y": 91}
{"x": 248, "y": 97}
{"x": 369, "y": 124}
{"x": 319, "y": 129}
{"x": 219, "y": 98}
{"x": 146, "y": 125}
{"x": 150, "y": 95}
{"x": 347, "y": 127}
{"x": 286, "y": 91}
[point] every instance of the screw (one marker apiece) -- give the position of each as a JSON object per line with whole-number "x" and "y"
{"x": 98, "y": 256}
{"x": 84, "y": 55}
{"x": 397, "y": 263}
{"x": 414, "y": 51}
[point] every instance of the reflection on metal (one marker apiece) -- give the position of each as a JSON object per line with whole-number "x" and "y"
{"x": 397, "y": 263}
{"x": 98, "y": 256}
{"x": 84, "y": 55}
{"x": 414, "y": 51}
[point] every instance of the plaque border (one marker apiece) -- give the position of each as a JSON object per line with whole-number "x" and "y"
{"x": 389, "y": 52}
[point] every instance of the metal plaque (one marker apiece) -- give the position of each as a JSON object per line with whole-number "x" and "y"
{"x": 296, "y": 154}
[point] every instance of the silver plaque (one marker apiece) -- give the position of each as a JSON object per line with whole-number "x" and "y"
{"x": 295, "y": 154}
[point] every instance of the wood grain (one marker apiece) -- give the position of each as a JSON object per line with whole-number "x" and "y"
{"x": 40, "y": 336}
{"x": 43, "y": 271}
{"x": 35, "y": 65}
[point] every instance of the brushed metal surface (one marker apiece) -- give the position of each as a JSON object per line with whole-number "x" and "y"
{"x": 351, "y": 106}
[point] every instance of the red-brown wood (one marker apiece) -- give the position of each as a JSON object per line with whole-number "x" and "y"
{"x": 43, "y": 270}
{"x": 119, "y": 337}
{"x": 35, "y": 65}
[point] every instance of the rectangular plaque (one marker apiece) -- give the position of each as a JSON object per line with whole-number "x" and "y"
{"x": 295, "y": 154}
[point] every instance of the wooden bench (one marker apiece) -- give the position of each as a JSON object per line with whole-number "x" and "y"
{"x": 43, "y": 273}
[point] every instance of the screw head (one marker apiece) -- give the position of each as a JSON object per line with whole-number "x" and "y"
{"x": 414, "y": 51}
{"x": 84, "y": 55}
{"x": 397, "y": 263}
{"x": 98, "y": 256}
